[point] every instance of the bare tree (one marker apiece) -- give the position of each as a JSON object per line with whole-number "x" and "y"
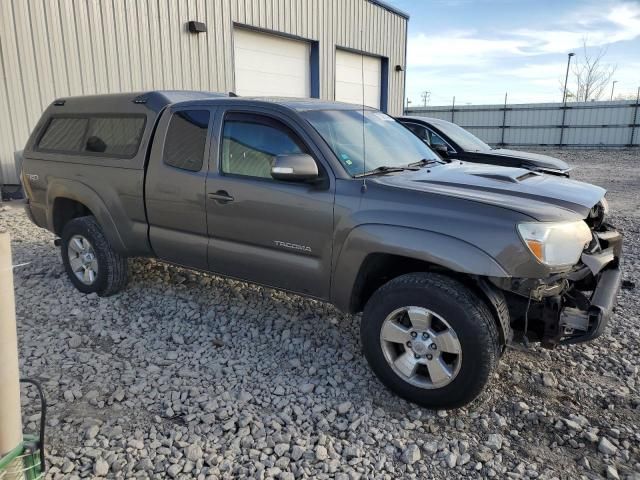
{"x": 591, "y": 76}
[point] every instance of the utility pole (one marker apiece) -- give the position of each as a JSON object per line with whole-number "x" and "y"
{"x": 613, "y": 85}
{"x": 566, "y": 77}
{"x": 426, "y": 95}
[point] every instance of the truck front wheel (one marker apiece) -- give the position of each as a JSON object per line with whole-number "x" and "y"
{"x": 430, "y": 339}
{"x": 91, "y": 264}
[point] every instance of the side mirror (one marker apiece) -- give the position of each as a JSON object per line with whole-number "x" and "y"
{"x": 298, "y": 167}
{"x": 442, "y": 150}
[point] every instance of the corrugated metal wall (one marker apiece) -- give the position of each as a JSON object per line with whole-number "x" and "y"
{"x": 585, "y": 124}
{"x": 56, "y": 48}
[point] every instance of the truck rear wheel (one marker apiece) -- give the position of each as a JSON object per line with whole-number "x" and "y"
{"x": 91, "y": 264}
{"x": 430, "y": 339}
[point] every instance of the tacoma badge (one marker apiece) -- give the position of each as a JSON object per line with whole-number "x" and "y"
{"x": 293, "y": 246}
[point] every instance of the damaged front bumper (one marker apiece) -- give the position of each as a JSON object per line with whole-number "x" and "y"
{"x": 589, "y": 318}
{"x": 580, "y": 325}
{"x": 571, "y": 307}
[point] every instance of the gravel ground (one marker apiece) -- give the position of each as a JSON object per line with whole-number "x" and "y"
{"x": 186, "y": 375}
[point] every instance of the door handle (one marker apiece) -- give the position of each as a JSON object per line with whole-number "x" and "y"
{"x": 221, "y": 197}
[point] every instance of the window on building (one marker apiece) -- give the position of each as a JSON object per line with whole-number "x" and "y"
{"x": 186, "y": 139}
{"x": 64, "y": 135}
{"x": 251, "y": 143}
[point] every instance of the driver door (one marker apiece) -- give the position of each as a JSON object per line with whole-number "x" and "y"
{"x": 271, "y": 232}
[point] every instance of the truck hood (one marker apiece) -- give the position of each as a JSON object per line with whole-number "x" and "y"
{"x": 537, "y": 159}
{"x": 543, "y": 197}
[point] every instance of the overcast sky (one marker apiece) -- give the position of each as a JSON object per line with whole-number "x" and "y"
{"x": 479, "y": 49}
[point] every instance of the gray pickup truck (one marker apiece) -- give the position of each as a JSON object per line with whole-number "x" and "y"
{"x": 450, "y": 263}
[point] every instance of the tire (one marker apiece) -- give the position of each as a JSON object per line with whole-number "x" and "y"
{"x": 446, "y": 317}
{"x": 110, "y": 268}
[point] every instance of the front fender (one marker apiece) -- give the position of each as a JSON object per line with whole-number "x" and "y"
{"x": 442, "y": 250}
{"x": 80, "y": 192}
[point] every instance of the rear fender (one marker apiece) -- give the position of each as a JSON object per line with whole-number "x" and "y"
{"x": 80, "y": 192}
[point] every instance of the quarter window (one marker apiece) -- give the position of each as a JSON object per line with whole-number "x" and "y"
{"x": 250, "y": 144}
{"x": 186, "y": 139}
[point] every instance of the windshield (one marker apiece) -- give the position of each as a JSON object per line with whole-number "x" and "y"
{"x": 388, "y": 143}
{"x": 464, "y": 139}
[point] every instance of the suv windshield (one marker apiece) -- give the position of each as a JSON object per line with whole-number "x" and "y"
{"x": 388, "y": 143}
{"x": 464, "y": 139}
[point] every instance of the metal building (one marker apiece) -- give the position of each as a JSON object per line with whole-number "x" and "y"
{"x": 330, "y": 49}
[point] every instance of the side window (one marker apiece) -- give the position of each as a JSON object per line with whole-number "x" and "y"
{"x": 186, "y": 139}
{"x": 64, "y": 135}
{"x": 437, "y": 140}
{"x": 110, "y": 136}
{"x": 420, "y": 131}
{"x": 119, "y": 136}
{"x": 250, "y": 144}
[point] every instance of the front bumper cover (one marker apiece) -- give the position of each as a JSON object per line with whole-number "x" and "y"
{"x": 570, "y": 307}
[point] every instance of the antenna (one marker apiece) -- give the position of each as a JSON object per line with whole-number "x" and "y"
{"x": 364, "y": 145}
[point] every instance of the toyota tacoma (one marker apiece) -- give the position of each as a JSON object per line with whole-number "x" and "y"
{"x": 449, "y": 263}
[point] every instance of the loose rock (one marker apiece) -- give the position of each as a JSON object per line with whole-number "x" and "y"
{"x": 411, "y": 454}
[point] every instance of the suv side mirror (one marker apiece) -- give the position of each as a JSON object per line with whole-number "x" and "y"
{"x": 297, "y": 167}
{"x": 442, "y": 150}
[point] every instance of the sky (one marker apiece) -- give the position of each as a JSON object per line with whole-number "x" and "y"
{"x": 479, "y": 49}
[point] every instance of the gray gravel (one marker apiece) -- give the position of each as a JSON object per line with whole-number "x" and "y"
{"x": 186, "y": 375}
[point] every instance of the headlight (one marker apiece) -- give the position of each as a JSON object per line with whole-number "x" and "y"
{"x": 556, "y": 244}
{"x": 597, "y": 214}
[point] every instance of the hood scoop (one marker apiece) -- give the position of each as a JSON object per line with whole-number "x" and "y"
{"x": 505, "y": 177}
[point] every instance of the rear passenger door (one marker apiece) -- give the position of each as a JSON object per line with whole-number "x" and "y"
{"x": 268, "y": 231}
{"x": 175, "y": 186}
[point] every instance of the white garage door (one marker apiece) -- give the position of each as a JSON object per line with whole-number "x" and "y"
{"x": 270, "y": 65}
{"x": 350, "y": 69}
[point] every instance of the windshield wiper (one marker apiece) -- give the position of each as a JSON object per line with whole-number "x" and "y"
{"x": 423, "y": 162}
{"x": 381, "y": 169}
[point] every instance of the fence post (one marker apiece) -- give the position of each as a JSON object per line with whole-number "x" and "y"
{"x": 635, "y": 119}
{"x": 453, "y": 109}
{"x": 564, "y": 114}
{"x": 504, "y": 119}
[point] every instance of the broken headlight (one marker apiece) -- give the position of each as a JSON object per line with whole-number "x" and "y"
{"x": 597, "y": 214}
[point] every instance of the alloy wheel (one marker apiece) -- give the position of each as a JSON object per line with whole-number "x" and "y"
{"x": 421, "y": 347}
